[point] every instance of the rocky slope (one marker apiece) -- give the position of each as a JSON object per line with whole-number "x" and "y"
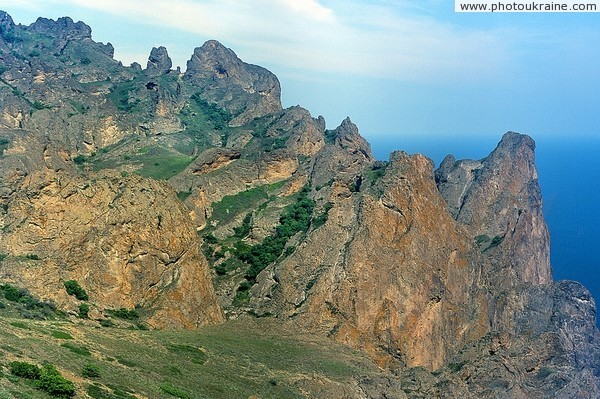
{"x": 190, "y": 196}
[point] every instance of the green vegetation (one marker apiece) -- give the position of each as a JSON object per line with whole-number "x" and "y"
{"x": 330, "y": 136}
{"x": 79, "y": 350}
{"x": 482, "y": 239}
{"x": 243, "y": 230}
{"x": 120, "y": 95}
{"x": 237, "y": 359}
{"x": 79, "y": 159}
{"x": 125, "y": 314}
{"x": 295, "y": 219}
{"x": 61, "y": 335}
{"x": 90, "y": 370}
{"x": 4, "y": 143}
{"x": 162, "y": 165}
{"x": 47, "y": 379}
{"x": 173, "y": 391}
{"x": 322, "y": 218}
{"x": 190, "y": 353}
{"x": 217, "y": 116}
{"x": 25, "y": 305}
{"x": 230, "y": 206}
{"x": 153, "y": 161}
{"x": 83, "y": 310}
{"x": 25, "y": 370}
{"x": 73, "y": 288}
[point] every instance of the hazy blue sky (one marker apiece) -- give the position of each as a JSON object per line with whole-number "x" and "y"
{"x": 397, "y": 68}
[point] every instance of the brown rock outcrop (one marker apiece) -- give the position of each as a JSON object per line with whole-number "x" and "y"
{"x": 127, "y": 241}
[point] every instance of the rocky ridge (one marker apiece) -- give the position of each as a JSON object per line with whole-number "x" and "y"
{"x": 190, "y": 196}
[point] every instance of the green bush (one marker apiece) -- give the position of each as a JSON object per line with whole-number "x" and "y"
{"x": 79, "y": 159}
{"x": 243, "y": 230}
{"x": 55, "y": 384}
{"x": 25, "y": 370}
{"x": 90, "y": 370}
{"x": 216, "y": 115}
{"x": 210, "y": 238}
{"x": 295, "y": 219}
{"x": 12, "y": 293}
{"x": 84, "y": 310}
{"x": 73, "y": 288}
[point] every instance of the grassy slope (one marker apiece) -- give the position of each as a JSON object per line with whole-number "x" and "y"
{"x": 235, "y": 360}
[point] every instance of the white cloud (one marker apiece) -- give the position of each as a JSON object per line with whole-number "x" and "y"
{"x": 364, "y": 38}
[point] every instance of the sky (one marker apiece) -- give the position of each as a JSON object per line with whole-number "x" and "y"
{"x": 411, "y": 74}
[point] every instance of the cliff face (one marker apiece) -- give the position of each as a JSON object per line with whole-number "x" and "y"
{"x": 185, "y": 194}
{"x": 127, "y": 242}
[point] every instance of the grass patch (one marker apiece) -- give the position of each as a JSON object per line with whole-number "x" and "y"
{"x": 78, "y": 350}
{"x": 238, "y": 359}
{"x": 173, "y": 391}
{"x": 60, "y": 334}
{"x": 189, "y": 353}
{"x": 164, "y": 167}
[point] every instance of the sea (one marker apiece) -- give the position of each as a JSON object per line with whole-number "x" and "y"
{"x": 569, "y": 177}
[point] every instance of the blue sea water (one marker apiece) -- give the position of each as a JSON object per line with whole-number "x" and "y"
{"x": 569, "y": 176}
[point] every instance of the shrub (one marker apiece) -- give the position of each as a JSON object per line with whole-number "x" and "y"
{"x": 90, "y": 370}
{"x": 32, "y": 257}
{"x": 106, "y": 323}
{"x": 73, "y": 288}
{"x": 84, "y": 310}
{"x": 79, "y": 160}
{"x": 12, "y": 293}
{"x": 25, "y": 370}
{"x": 55, "y": 384}
{"x": 295, "y": 219}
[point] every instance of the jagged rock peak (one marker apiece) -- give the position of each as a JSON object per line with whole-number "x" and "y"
{"x": 252, "y": 91}
{"x": 348, "y": 137}
{"x": 212, "y": 56}
{"x": 499, "y": 200}
{"x": 159, "y": 62}
{"x": 6, "y": 22}
{"x": 63, "y": 27}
